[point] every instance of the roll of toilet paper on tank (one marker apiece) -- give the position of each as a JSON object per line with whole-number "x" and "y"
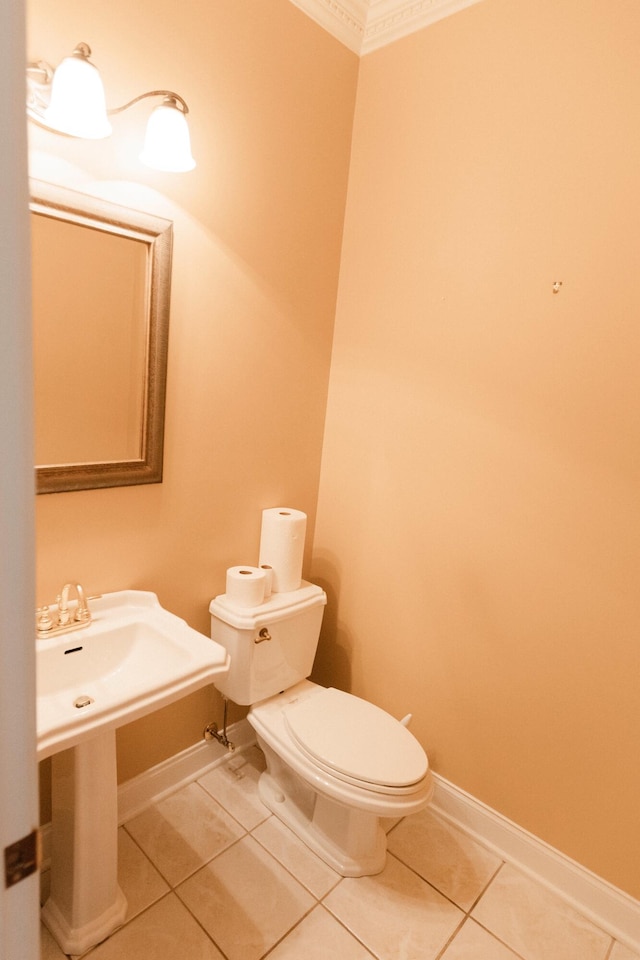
{"x": 268, "y": 583}
{"x": 282, "y": 546}
{"x": 245, "y": 586}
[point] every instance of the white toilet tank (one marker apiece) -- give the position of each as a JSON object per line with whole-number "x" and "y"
{"x": 272, "y": 646}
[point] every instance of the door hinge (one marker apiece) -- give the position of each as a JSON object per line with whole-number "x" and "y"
{"x": 22, "y": 858}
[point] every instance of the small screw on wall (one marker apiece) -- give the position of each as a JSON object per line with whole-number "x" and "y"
{"x": 556, "y": 286}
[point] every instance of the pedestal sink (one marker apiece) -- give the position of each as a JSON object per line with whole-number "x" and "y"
{"x": 133, "y": 658}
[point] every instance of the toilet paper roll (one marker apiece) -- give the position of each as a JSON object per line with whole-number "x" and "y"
{"x": 268, "y": 581}
{"x": 282, "y": 546}
{"x": 245, "y": 586}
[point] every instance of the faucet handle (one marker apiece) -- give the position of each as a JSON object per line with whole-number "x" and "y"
{"x": 43, "y": 619}
{"x": 82, "y": 612}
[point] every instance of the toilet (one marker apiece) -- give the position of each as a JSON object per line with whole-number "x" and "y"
{"x": 338, "y": 769}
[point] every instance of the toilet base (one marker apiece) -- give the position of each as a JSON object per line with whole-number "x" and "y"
{"x": 351, "y": 841}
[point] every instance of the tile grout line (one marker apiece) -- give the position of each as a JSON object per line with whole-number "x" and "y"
{"x": 199, "y": 924}
{"x": 455, "y": 933}
{"x": 173, "y": 888}
{"x": 204, "y": 863}
{"x": 345, "y": 927}
{"x": 475, "y": 904}
{"x": 248, "y": 833}
{"x": 153, "y": 864}
{"x": 210, "y": 796}
{"x": 485, "y": 888}
{"x": 498, "y": 939}
{"x": 430, "y": 884}
{"x": 144, "y": 910}
{"x": 318, "y": 900}
{"x": 285, "y": 867}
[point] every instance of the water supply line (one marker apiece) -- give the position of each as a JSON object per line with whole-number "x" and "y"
{"x": 211, "y": 731}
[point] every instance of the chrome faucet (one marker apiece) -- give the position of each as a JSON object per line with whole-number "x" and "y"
{"x": 46, "y": 626}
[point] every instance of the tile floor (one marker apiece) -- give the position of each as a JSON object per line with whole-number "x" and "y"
{"x": 209, "y": 874}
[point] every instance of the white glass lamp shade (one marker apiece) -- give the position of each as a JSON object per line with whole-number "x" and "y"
{"x": 167, "y": 144}
{"x": 77, "y": 106}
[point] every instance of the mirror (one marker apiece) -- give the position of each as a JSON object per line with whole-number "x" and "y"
{"x": 101, "y": 280}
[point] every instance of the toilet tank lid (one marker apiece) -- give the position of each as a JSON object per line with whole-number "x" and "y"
{"x": 279, "y": 606}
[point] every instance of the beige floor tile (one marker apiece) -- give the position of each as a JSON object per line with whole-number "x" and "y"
{"x": 620, "y": 952}
{"x": 234, "y": 784}
{"x": 395, "y": 914}
{"x": 472, "y": 942}
{"x": 182, "y": 832}
{"x": 443, "y": 855}
{"x": 245, "y": 900}
{"x": 536, "y": 923}
{"x": 309, "y": 869}
{"x": 318, "y": 937}
{"x": 139, "y": 880}
{"x": 49, "y": 949}
{"x": 166, "y": 931}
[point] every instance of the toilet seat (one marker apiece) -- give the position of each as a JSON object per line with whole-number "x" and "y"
{"x": 357, "y": 742}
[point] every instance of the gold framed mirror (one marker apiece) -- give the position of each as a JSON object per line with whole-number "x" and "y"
{"x": 101, "y": 282}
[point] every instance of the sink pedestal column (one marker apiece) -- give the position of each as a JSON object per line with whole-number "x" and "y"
{"x": 85, "y": 904}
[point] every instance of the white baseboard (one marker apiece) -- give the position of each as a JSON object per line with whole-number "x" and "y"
{"x": 609, "y": 908}
{"x": 166, "y": 777}
{"x": 606, "y": 905}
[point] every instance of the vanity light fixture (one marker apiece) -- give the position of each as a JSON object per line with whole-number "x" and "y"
{"x": 70, "y": 100}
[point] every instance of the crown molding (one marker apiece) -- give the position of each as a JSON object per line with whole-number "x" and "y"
{"x": 344, "y": 19}
{"x": 389, "y": 20}
{"x": 366, "y": 25}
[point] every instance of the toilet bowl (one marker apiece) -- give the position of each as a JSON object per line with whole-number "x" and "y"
{"x": 327, "y": 779}
{"x": 339, "y": 769}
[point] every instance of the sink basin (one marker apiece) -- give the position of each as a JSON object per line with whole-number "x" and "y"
{"x": 135, "y": 657}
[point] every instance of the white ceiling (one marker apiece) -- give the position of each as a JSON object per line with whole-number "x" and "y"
{"x": 365, "y": 25}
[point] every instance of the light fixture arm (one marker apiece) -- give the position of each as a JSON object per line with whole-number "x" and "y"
{"x": 43, "y": 68}
{"x": 167, "y": 94}
{"x": 38, "y": 88}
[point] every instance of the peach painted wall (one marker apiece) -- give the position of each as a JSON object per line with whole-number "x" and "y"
{"x": 257, "y": 234}
{"x": 479, "y": 513}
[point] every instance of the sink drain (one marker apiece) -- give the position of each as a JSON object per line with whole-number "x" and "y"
{"x": 83, "y": 701}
